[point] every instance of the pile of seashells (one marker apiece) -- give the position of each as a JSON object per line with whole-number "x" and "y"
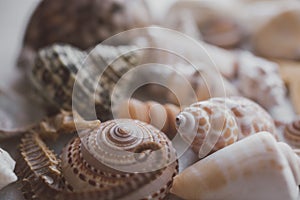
{"x": 243, "y": 136}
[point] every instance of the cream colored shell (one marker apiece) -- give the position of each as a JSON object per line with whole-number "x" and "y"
{"x": 257, "y": 167}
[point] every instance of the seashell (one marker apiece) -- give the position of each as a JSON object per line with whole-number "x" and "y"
{"x": 38, "y": 169}
{"x": 213, "y": 26}
{"x": 108, "y": 157}
{"x": 7, "y": 166}
{"x": 132, "y": 164}
{"x": 259, "y": 79}
{"x": 218, "y": 122}
{"x": 160, "y": 116}
{"x": 291, "y": 133}
{"x": 290, "y": 71}
{"x": 82, "y": 24}
{"x": 257, "y": 163}
{"x": 56, "y": 67}
{"x": 278, "y": 38}
{"x": 51, "y": 127}
{"x": 183, "y": 84}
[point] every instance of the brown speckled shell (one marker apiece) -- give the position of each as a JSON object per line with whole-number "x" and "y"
{"x": 91, "y": 166}
{"x": 216, "y": 123}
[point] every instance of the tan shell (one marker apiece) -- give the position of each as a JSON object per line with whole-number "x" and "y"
{"x": 279, "y": 37}
{"x": 211, "y": 125}
{"x": 257, "y": 167}
{"x": 81, "y": 23}
{"x": 160, "y": 116}
{"x": 108, "y": 157}
{"x": 292, "y": 133}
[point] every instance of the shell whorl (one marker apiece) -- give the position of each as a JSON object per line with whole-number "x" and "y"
{"x": 292, "y": 133}
{"x": 220, "y": 122}
{"x": 57, "y": 68}
{"x": 126, "y": 154}
{"x": 160, "y": 116}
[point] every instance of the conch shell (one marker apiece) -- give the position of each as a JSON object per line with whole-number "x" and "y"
{"x": 160, "y": 116}
{"x": 130, "y": 159}
{"x": 57, "y": 67}
{"x": 257, "y": 167}
{"x": 214, "y": 124}
{"x": 7, "y": 166}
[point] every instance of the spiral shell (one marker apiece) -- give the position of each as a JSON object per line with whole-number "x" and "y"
{"x": 257, "y": 163}
{"x": 110, "y": 156}
{"x": 292, "y": 133}
{"x": 56, "y": 67}
{"x": 211, "y": 125}
{"x": 161, "y": 116}
{"x": 80, "y": 23}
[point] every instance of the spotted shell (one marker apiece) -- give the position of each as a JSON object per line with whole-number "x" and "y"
{"x": 56, "y": 70}
{"x": 118, "y": 159}
{"x": 151, "y": 112}
{"x": 127, "y": 154}
{"x": 82, "y": 23}
{"x": 213, "y": 124}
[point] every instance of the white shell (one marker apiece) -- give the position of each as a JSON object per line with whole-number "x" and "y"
{"x": 7, "y": 166}
{"x": 254, "y": 168}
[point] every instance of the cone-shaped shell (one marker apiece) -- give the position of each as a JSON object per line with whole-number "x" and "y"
{"x": 254, "y": 168}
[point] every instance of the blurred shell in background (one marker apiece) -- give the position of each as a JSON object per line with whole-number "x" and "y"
{"x": 81, "y": 23}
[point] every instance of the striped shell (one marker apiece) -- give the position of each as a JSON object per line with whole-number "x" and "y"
{"x": 151, "y": 112}
{"x": 211, "y": 125}
{"x": 124, "y": 154}
{"x": 82, "y": 23}
{"x": 128, "y": 144}
{"x": 56, "y": 70}
{"x": 292, "y": 133}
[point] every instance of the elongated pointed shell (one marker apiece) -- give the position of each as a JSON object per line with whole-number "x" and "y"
{"x": 129, "y": 159}
{"x": 254, "y": 168}
{"x": 56, "y": 71}
{"x": 211, "y": 125}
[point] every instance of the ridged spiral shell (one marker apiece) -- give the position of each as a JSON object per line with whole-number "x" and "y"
{"x": 126, "y": 154}
{"x": 292, "y": 133}
{"x": 80, "y": 174}
{"x": 56, "y": 69}
{"x": 160, "y": 116}
{"x": 218, "y": 122}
